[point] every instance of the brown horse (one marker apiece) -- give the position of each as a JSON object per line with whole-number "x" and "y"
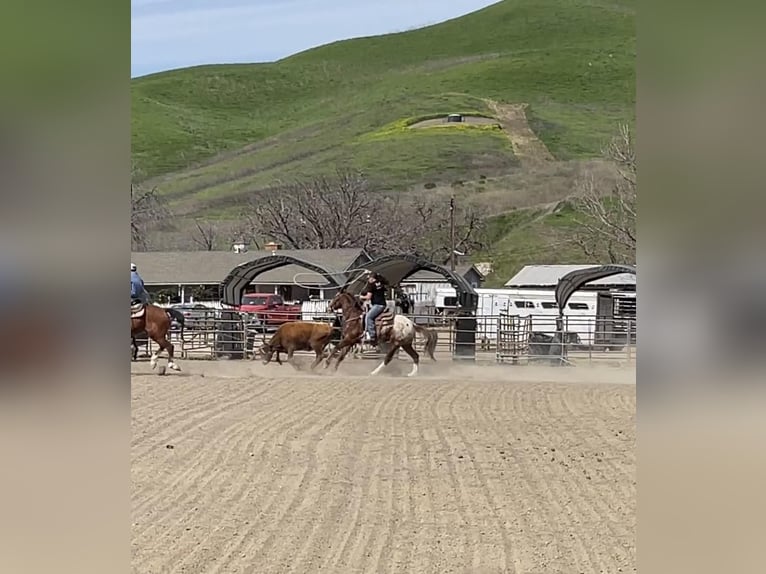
{"x": 394, "y": 332}
{"x": 155, "y": 322}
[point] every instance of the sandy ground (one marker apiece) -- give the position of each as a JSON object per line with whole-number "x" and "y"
{"x": 239, "y": 467}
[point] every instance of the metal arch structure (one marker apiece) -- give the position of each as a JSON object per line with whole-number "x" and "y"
{"x": 242, "y": 275}
{"x": 574, "y": 280}
{"x": 565, "y": 288}
{"x": 396, "y": 268}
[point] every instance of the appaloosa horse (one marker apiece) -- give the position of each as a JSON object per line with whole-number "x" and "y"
{"x": 394, "y": 332}
{"x": 155, "y": 322}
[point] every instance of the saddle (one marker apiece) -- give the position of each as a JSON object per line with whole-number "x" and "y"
{"x": 137, "y": 309}
{"x": 385, "y": 319}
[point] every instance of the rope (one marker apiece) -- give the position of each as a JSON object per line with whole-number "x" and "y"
{"x": 362, "y": 271}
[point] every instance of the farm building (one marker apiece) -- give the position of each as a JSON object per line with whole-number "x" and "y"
{"x": 547, "y": 277}
{"x": 183, "y": 276}
{"x": 610, "y": 300}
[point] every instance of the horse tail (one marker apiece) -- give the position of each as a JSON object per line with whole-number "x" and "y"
{"x": 432, "y": 337}
{"x": 178, "y": 316}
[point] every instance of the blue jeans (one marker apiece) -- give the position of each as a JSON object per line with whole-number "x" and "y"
{"x": 374, "y": 311}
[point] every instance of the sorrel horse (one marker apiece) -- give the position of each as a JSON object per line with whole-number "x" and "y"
{"x": 155, "y": 322}
{"x": 394, "y": 332}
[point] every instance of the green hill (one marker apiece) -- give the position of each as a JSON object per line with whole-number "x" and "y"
{"x": 208, "y": 135}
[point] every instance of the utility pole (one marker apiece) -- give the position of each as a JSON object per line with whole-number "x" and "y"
{"x": 452, "y": 233}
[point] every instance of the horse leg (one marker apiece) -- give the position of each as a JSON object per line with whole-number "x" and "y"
{"x": 410, "y": 350}
{"x": 386, "y": 359}
{"x": 155, "y": 354}
{"x": 342, "y": 356}
{"x": 335, "y": 352}
{"x": 168, "y": 346}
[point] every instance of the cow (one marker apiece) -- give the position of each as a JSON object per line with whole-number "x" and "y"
{"x": 297, "y": 336}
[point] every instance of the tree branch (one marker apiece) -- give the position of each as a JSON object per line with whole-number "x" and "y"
{"x": 205, "y": 235}
{"x": 148, "y": 210}
{"x": 342, "y": 211}
{"x": 607, "y": 213}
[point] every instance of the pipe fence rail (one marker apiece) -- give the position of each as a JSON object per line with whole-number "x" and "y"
{"x": 504, "y": 338}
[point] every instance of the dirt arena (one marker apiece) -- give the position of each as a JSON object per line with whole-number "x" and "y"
{"x": 239, "y": 467}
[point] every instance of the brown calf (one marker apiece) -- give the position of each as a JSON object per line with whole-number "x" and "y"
{"x": 298, "y": 336}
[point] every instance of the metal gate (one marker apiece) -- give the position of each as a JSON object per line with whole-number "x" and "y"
{"x": 512, "y": 337}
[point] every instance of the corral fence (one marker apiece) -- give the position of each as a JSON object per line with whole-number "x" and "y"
{"x": 503, "y": 338}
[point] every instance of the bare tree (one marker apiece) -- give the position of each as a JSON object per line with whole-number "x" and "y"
{"x": 205, "y": 235}
{"x": 342, "y": 211}
{"x": 432, "y": 228}
{"x": 148, "y": 210}
{"x": 607, "y": 213}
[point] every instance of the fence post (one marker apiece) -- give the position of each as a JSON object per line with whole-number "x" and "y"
{"x": 562, "y": 326}
{"x": 465, "y": 338}
{"x": 630, "y": 340}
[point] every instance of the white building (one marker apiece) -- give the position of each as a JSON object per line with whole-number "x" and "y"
{"x": 598, "y": 311}
{"x": 547, "y": 277}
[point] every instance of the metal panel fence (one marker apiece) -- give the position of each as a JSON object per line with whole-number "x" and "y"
{"x": 502, "y": 338}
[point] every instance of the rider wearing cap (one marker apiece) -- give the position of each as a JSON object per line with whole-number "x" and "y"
{"x": 137, "y": 289}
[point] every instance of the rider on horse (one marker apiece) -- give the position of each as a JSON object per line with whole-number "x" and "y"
{"x": 137, "y": 289}
{"x": 375, "y": 293}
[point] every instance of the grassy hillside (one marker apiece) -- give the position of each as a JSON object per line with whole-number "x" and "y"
{"x": 572, "y": 60}
{"x": 206, "y": 136}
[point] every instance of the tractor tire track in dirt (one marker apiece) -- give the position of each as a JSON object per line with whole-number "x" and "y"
{"x": 358, "y": 474}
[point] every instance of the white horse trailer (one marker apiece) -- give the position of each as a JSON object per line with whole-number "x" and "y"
{"x": 539, "y": 304}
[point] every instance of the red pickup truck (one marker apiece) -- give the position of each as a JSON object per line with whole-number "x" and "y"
{"x": 269, "y": 310}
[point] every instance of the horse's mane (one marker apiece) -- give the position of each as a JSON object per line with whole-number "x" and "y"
{"x": 353, "y": 300}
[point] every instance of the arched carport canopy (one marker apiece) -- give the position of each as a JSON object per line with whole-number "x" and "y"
{"x": 242, "y": 275}
{"x": 574, "y": 280}
{"x": 396, "y": 268}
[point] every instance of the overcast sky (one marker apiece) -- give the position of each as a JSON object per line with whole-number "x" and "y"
{"x": 169, "y": 34}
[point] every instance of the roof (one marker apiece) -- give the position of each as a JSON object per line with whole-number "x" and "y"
{"x": 212, "y": 267}
{"x": 395, "y": 268}
{"x": 237, "y": 281}
{"x": 425, "y": 275}
{"x": 549, "y": 275}
{"x": 578, "y": 278}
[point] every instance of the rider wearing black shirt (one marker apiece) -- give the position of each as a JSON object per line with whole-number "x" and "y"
{"x": 375, "y": 293}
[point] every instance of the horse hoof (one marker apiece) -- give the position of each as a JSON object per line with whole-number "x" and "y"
{"x": 174, "y": 367}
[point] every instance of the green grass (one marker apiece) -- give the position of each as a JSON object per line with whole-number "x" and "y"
{"x": 531, "y": 236}
{"x": 208, "y": 136}
{"x": 572, "y": 60}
